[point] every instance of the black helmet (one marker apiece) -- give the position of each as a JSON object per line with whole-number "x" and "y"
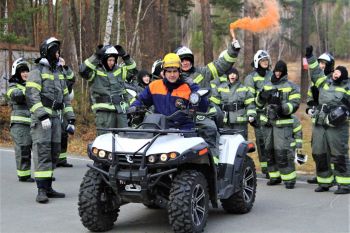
{"x": 338, "y": 116}
{"x": 329, "y": 60}
{"x": 47, "y": 44}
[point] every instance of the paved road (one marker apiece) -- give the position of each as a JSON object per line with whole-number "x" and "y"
{"x": 276, "y": 209}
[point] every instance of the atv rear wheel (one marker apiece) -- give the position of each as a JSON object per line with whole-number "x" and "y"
{"x": 98, "y": 208}
{"x": 188, "y": 202}
{"x": 242, "y": 202}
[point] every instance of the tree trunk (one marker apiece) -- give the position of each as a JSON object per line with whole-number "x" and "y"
{"x": 129, "y": 23}
{"x": 250, "y": 42}
{"x": 50, "y": 18}
{"x": 133, "y": 42}
{"x": 109, "y": 22}
{"x": 164, "y": 15}
{"x": 97, "y": 21}
{"x": 118, "y": 22}
{"x": 75, "y": 26}
{"x": 207, "y": 31}
{"x": 65, "y": 31}
{"x": 304, "y": 42}
{"x": 87, "y": 31}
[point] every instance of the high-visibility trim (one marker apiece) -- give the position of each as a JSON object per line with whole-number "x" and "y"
{"x": 274, "y": 174}
{"x": 258, "y": 78}
{"x": 101, "y": 73}
{"x": 290, "y": 108}
{"x": 21, "y": 87}
{"x": 216, "y": 160}
{"x": 89, "y": 64}
{"x": 251, "y": 112}
{"x": 23, "y": 173}
{"x": 132, "y": 100}
{"x": 285, "y": 89}
{"x": 213, "y": 85}
{"x": 212, "y": 110}
{"x": 34, "y": 85}
{"x": 309, "y": 93}
{"x": 241, "y": 119}
{"x": 342, "y": 180}
{"x": 258, "y": 102}
{"x": 215, "y": 100}
{"x": 92, "y": 77}
{"x": 124, "y": 72}
{"x": 298, "y": 140}
{"x": 21, "y": 118}
{"x": 327, "y": 180}
{"x": 131, "y": 66}
{"x": 224, "y": 89}
{"x": 267, "y": 88}
{"x": 326, "y": 87}
{"x": 242, "y": 89}
{"x": 263, "y": 164}
{"x": 293, "y": 144}
{"x": 65, "y": 91}
{"x": 70, "y": 76}
{"x": 320, "y": 81}
{"x": 198, "y": 79}
{"x": 284, "y": 122}
{"x": 263, "y": 118}
{"x": 36, "y": 106}
{"x": 223, "y": 79}
{"x": 340, "y": 89}
{"x": 252, "y": 90}
{"x": 248, "y": 101}
{"x": 68, "y": 109}
{"x": 48, "y": 110}
{"x": 61, "y": 77}
{"x": 103, "y": 105}
{"x": 313, "y": 120}
{"x": 313, "y": 65}
{"x": 43, "y": 174}
{"x": 48, "y": 76}
{"x": 117, "y": 72}
{"x": 63, "y": 155}
{"x": 294, "y": 96}
{"x": 296, "y": 129}
{"x": 290, "y": 176}
{"x": 228, "y": 58}
{"x": 213, "y": 70}
{"x": 9, "y": 92}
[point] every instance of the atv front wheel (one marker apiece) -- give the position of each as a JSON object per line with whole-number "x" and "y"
{"x": 98, "y": 208}
{"x": 242, "y": 201}
{"x": 188, "y": 202}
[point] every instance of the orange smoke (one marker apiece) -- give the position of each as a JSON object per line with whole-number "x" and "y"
{"x": 269, "y": 18}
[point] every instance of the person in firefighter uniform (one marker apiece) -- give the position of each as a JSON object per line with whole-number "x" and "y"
{"x": 254, "y": 82}
{"x": 47, "y": 98}
{"x": 279, "y": 99}
{"x": 20, "y": 119}
{"x": 236, "y": 101}
{"x": 107, "y": 85}
{"x": 330, "y": 141}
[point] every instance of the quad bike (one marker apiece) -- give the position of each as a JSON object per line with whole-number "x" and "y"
{"x": 166, "y": 168}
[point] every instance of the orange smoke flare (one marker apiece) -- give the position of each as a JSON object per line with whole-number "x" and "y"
{"x": 268, "y": 20}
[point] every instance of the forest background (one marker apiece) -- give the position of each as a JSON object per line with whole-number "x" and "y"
{"x": 148, "y": 29}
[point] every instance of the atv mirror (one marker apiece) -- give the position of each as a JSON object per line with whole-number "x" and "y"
{"x": 131, "y": 92}
{"x": 194, "y": 98}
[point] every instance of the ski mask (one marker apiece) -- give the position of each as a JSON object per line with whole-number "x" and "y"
{"x": 51, "y": 54}
{"x": 344, "y": 74}
{"x": 280, "y": 66}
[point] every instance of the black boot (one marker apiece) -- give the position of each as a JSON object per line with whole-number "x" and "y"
{"x": 51, "y": 193}
{"x": 26, "y": 179}
{"x": 313, "y": 180}
{"x": 289, "y": 185}
{"x": 64, "y": 163}
{"x": 341, "y": 190}
{"x": 321, "y": 189}
{"x": 42, "y": 197}
{"x": 274, "y": 181}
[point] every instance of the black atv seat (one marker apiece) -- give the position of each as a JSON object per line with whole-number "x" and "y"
{"x": 223, "y": 131}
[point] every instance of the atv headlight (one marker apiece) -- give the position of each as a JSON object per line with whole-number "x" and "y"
{"x": 94, "y": 150}
{"x": 152, "y": 158}
{"x": 163, "y": 157}
{"x": 110, "y": 157}
{"x": 102, "y": 154}
{"x": 194, "y": 98}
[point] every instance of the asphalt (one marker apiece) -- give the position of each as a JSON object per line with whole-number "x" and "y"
{"x": 276, "y": 209}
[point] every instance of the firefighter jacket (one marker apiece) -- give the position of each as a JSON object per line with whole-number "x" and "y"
{"x": 284, "y": 101}
{"x": 157, "y": 94}
{"x": 254, "y": 82}
{"x": 107, "y": 88}
{"x": 47, "y": 92}
{"x": 17, "y": 99}
{"x": 236, "y": 100}
{"x": 331, "y": 94}
{"x": 203, "y": 75}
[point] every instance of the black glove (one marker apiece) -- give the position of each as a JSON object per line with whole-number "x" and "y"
{"x": 277, "y": 109}
{"x": 264, "y": 95}
{"x": 99, "y": 52}
{"x": 308, "y": 51}
{"x": 131, "y": 110}
{"x": 121, "y": 52}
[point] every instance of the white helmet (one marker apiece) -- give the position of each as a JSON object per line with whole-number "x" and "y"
{"x": 261, "y": 54}
{"x": 17, "y": 64}
{"x": 185, "y": 52}
{"x": 157, "y": 69}
{"x": 111, "y": 50}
